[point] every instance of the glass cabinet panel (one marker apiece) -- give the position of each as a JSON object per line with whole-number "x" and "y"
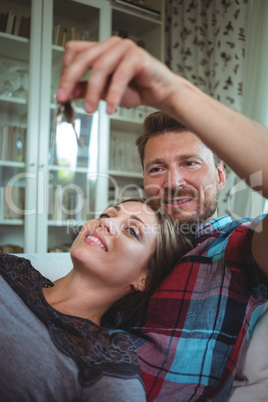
{"x": 15, "y": 19}
{"x": 73, "y": 151}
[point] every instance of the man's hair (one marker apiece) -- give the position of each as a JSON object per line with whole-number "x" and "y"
{"x": 171, "y": 245}
{"x": 158, "y": 123}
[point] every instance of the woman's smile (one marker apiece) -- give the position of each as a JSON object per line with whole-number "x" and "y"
{"x": 96, "y": 240}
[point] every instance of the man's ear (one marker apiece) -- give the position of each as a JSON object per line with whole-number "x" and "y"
{"x": 221, "y": 176}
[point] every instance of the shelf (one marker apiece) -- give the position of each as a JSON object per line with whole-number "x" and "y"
{"x": 117, "y": 173}
{"x": 64, "y": 223}
{"x": 126, "y": 120}
{"x": 13, "y": 111}
{"x": 12, "y": 164}
{"x": 145, "y": 13}
{"x": 124, "y": 124}
{"x": 56, "y": 168}
{"x": 12, "y": 222}
{"x": 12, "y": 106}
{"x": 78, "y": 108}
{"x": 124, "y": 20}
{"x": 14, "y": 47}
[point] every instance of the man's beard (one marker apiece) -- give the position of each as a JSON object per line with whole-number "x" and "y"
{"x": 189, "y": 220}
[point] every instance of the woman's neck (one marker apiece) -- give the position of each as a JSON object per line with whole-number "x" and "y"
{"x": 72, "y": 295}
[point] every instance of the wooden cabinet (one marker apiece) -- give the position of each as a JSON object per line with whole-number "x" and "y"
{"x": 48, "y": 184}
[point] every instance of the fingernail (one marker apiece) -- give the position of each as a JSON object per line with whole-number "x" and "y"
{"x": 110, "y": 109}
{"x": 89, "y": 107}
{"x": 61, "y": 93}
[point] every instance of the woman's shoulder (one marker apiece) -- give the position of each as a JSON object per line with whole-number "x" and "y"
{"x": 14, "y": 268}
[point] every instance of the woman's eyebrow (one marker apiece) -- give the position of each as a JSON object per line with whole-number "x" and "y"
{"x": 134, "y": 217}
{"x": 137, "y": 219}
{"x": 116, "y": 207}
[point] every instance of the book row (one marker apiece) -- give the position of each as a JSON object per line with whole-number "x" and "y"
{"x": 11, "y": 202}
{"x": 123, "y": 153}
{"x": 63, "y": 205}
{"x": 12, "y": 143}
{"x": 61, "y": 34}
{"x": 15, "y": 24}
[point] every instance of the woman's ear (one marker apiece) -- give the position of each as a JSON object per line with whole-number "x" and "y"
{"x": 141, "y": 284}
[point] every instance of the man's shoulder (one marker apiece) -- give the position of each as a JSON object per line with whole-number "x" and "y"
{"x": 215, "y": 236}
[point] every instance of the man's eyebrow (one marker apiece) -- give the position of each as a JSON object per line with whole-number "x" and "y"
{"x": 179, "y": 157}
{"x": 155, "y": 161}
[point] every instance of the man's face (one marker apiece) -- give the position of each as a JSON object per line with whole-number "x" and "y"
{"x": 179, "y": 172}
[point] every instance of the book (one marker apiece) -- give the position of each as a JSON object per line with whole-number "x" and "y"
{"x": 25, "y": 27}
{"x": 13, "y": 202}
{"x": 3, "y": 21}
{"x": 71, "y": 33}
{"x": 56, "y": 33}
{"x": 10, "y": 22}
{"x": 5, "y": 143}
{"x": 60, "y": 38}
{"x": 12, "y": 143}
{"x": 17, "y": 24}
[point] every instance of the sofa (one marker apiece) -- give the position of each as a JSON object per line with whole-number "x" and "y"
{"x": 251, "y": 383}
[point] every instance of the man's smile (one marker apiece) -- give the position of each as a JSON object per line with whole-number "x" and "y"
{"x": 178, "y": 201}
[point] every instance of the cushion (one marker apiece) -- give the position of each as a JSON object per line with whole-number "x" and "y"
{"x": 52, "y": 265}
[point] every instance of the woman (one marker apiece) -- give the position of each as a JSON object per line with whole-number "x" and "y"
{"x": 52, "y": 344}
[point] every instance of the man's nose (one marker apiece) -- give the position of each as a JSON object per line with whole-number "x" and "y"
{"x": 174, "y": 179}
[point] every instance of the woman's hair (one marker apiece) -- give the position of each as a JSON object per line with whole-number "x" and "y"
{"x": 171, "y": 245}
{"x": 158, "y": 123}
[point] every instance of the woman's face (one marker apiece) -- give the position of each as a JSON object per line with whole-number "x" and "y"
{"x": 116, "y": 247}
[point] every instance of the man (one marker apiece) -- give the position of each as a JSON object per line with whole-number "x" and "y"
{"x": 193, "y": 329}
{"x": 179, "y": 170}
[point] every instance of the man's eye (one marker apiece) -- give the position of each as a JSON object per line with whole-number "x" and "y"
{"x": 133, "y": 232}
{"x": 190, "y": 163}
{"x": 104, "y": 215}
{"x": 155, "y": 170}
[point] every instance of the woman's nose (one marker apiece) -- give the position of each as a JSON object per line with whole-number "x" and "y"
{"x": 110, "y": 225}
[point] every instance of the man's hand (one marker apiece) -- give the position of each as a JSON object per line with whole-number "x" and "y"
{"x": 121, "y": 73}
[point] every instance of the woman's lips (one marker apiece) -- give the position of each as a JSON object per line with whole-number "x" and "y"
{"x": 97, "y": 240}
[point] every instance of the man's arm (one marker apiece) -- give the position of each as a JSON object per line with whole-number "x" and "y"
{"x": 125, "y": 75}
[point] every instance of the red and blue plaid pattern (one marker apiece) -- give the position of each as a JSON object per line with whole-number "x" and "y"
{"x": 191, "y": 331}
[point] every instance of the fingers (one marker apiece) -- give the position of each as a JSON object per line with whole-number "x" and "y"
{"x": 123, "y": 82}
{"x": 114, "y": 63}
{"x": 79, "y": 57}
{"x": 72, "y": 71}
{"x": 111, "y": 75}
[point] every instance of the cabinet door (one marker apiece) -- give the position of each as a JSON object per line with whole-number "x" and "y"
{"x": 67, "y": 169}
{"x": 20, "y": 35}
{"x": 144, "y": 25}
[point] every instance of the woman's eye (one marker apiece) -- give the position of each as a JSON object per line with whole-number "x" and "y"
{"x": 104, "y": 215}
{"x": 133, "y": 232}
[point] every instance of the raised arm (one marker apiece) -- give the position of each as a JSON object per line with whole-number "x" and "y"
{"x": 125, "y": 75}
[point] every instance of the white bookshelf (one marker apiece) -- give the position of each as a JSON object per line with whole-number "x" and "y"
{"x": 90, "y": 176}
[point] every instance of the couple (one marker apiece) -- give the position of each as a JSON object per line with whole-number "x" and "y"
{"x": 190, "y": 332}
